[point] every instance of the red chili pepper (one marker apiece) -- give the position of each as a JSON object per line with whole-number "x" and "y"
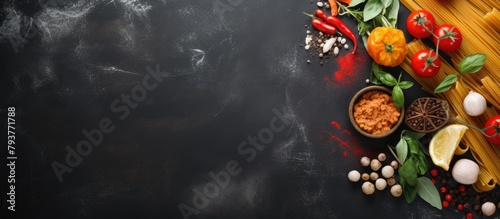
{"x": 341, "y": 26}
{"x": 322, "y": 26}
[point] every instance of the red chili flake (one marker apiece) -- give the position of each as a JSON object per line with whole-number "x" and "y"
{"x": 350, "y": 67}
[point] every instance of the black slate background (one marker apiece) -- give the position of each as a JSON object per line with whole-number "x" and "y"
{"x": 222, "y": 74}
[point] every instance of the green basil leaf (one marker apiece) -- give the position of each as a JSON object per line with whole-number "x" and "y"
{"x": 422, "y": 166}
{"x": 472, "y": 63}
{"x": 372, "y": 9}
{"x": 428, "y": 192}
{"x": 402, "y": 150}
{"x": 446, "y": 83}
{"x": 392, "y": 13}
{"x": 386, "y": 3}
{"x": 387, "y": 78}
{"x": 409, "y": 192}
{"x": 405, "y": 84}
{"x": 412, "y": 144}
{"x": 408, "y": 171}
{"x": 356, "y": 2}
{"x": 374, "y": 78}
{"x": 411, "y": 134}
{"x": 398, "y": 96}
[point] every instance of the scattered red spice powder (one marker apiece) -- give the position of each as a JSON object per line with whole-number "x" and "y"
{"x": 342, "y": 139}
{"x": 350, "y": 67}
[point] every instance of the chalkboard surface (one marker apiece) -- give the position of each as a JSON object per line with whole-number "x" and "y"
{"x": 172, "y": 109}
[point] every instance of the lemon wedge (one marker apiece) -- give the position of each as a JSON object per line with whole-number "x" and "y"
{"x": 444, "y": 143}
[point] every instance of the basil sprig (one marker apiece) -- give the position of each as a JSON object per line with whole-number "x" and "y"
{"x": 380, "y": 77}
{"x": 468, "y": 65}
{"x": 411, "y": 155}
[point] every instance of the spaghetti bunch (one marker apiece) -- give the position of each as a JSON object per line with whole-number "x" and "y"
{"x": 480, "y": 35}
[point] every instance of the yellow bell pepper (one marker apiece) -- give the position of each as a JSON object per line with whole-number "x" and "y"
{"x": 387, "y": 46}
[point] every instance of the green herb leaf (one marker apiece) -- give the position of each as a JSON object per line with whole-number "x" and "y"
{"x": 386, "y": 3}
{"x": 398, "y": 96}
{"x": 472, "y": 63}
{"x": 386, "y": 78}
{"x": 412, "y": 144}
{"x": 356, "y": 2}
{"x": 428, "y": 192}
{"x": 422, "y": 166}
{"x": 446, "y": 83}
{"x": 405, "y": 84}
{"x": 408, "y": 171}
{"x": 373, "y": 76}
{"x": 411, "y": 134}
{"x": 409, "y": 192}
{"x": 372, "y": 9}
{"x": 402, "y": 150}
{"x": 392, "y": 13}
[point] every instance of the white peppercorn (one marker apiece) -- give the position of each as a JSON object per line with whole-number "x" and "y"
{"x": 387, "y": 171}
{"x": 375, "y": 164}
{"x": 365, "y": 161}
{"x": 381, "y": 157}
{"x": 354, "y": 175}
{"x": 394, "y": 164}
{"x": 391, "y": 181}
{"x": 380, "y": 184}
{"x": 396, "y": 190}
{"x": 368, "y": 188}
{"x": 365, "y": 176}
{"x": 373, "y": 176}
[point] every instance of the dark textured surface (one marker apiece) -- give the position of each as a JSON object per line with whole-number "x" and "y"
{"x": 222, "y": 77}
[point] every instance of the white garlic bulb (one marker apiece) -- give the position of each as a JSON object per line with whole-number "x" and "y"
{"x": 465, "y": 171}
{"x": 474, "y": 104}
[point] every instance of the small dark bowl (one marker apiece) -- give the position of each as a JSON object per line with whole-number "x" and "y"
{"x": 357, "y": 97}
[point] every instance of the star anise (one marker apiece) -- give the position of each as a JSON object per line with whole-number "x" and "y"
{"x": 427, "y": 114}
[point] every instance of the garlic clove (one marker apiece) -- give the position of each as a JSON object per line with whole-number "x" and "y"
{"x": 465, "y": 171}
{"x": 488, "y": 208}
{"x": 474, "y": 104}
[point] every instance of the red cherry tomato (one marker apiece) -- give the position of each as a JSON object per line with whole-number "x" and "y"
{"x": 425, "y": 63}
{"x": 450, "y": 37}
{"x": 420, "y": 24}
{"x": 492, "y": 128}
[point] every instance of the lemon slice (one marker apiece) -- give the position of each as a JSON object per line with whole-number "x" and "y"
{"x": 444, "y": 143}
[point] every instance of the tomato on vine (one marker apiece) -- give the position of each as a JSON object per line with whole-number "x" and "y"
{"x": 425, "y": 63}
{"x": 492, "y": 128}
{"x": 449, "y": 37}
{"x": 420, "y": 24}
